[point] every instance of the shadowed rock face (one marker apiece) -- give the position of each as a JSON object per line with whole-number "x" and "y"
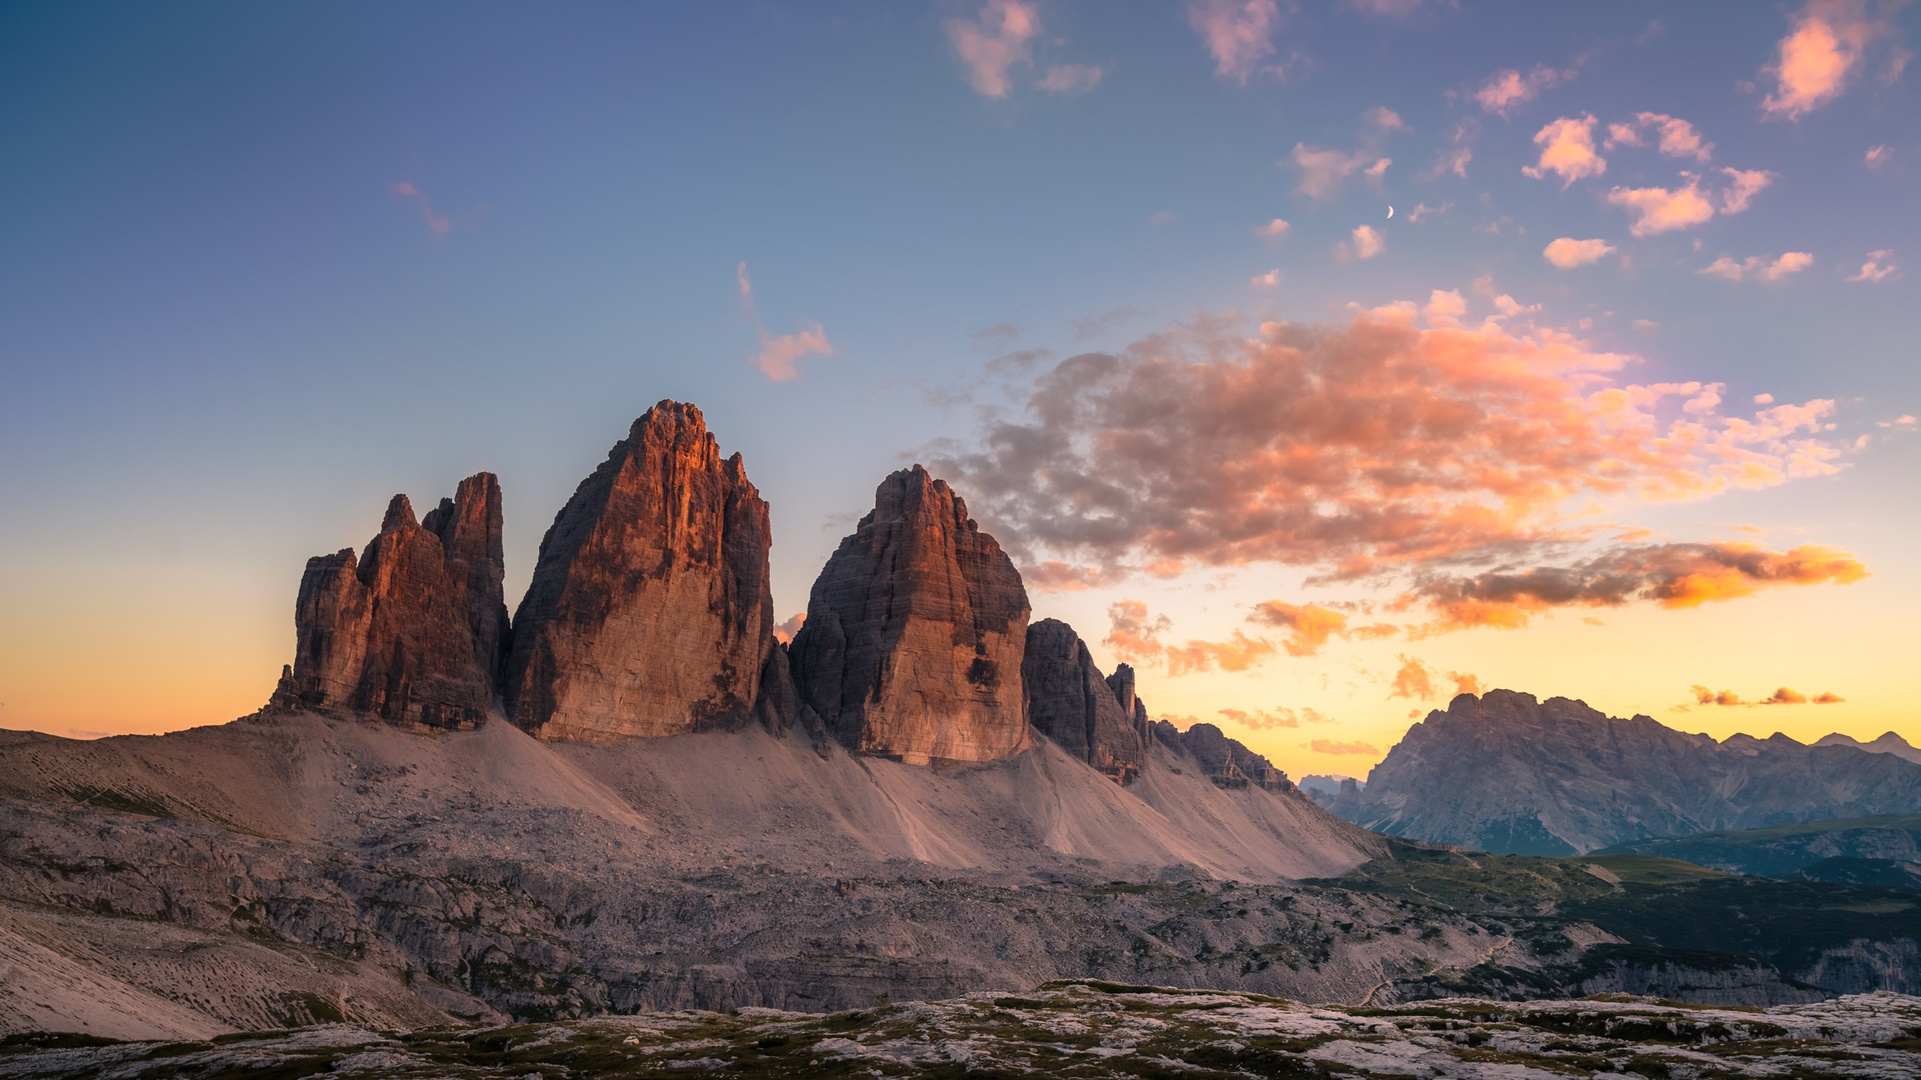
{"x": 1226, "y": 762}
{"x": 649, "y": 612}
{"x": 1069, "y": 702}
{"x": 413, "y": 631}
{"x": 915, "y": 633}
{"x": 1122, "y": 683}
{"x": 1507, "y": 773}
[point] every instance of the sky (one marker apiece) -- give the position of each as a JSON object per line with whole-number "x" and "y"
{"x": 1320, "y": 360}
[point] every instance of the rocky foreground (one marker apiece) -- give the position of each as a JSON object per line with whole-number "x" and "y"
{"x": 1075, "y": 1030}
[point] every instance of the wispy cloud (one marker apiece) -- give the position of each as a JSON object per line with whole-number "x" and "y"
{"x": 1781, "y": 696}
{"x": 993, "y": 41}
{"x": 1279, "y": 717}
{"x": 1238, "y": 33}
{"x": 1508, "y": 89}
{"x": 1877, "y": 156}
{"x": 1135, "y": 636}
{"x": 1759, "y": 267}
{"x": 1568, "y": 253}
{"x": 1676, "y": 138}
{"x": 1273, "y": 231}
{"x": 437, "y": 224}
{"x": 1071, "y": 78}
{"x": 1879, "y": 266}
{"x": 780, "y": 354}
{"x": 1827, "y": 43}
{"x": 1329, "y": 746}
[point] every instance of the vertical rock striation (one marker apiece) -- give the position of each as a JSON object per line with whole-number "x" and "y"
{"x": 413, "y": 630}
{"x": 649, "y": 612}
{"x": 915, "y": 632}
{"x": 1068, "y": 701}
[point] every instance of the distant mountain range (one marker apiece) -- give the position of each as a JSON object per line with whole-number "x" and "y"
{"x": 1506, "y": 773}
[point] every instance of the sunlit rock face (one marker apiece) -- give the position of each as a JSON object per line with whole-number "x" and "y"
{"x": 915, "y": 633}
{"x": 649, "y": 612}
{"x": 1069, "y": 702}
{"x": 412, "y": 631}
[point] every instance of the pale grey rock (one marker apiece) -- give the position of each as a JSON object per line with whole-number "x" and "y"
{"x": 1504, "y": 772}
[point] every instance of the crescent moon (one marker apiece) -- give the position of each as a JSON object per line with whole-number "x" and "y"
{"x": 1390, "y": 211}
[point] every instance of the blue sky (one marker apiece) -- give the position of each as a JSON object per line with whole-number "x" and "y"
{"x": 263, "y": 266}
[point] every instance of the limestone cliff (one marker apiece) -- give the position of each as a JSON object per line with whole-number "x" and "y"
{"x": 413, "y": 630}
{"x": 915, "y": 633}
{"x": 649, "y": 612}
{"x": 1068, "y": 701}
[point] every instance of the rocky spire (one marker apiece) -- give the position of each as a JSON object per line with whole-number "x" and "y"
{"x": 649, "y": 612}
{"x": 412, "y": 630}
{"x": 915, "y": 632}
{"x": 1069, "y": 702}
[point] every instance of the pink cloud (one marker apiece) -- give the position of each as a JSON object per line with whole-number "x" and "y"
{"x": 994, "y": 41}
{"x": 1743, "y": 184}
{"x": 1759, "y": 267}
{"x": 1676, "y": 138}
{"x": 1568, "y": 253}
{"x": 784, "y": 631}
{"x": 1877, "y": 156}
{"x": 1364, "y": 242}
{"x": 1879, "y": 266}
{"x": 1239, "y": 33}
{"x": 1826, "y": 44}
{"x": 1323, "y": 170}
{"x": 1506, "y": 89}
{"x": 1659, "y": 210}
{"x": 1358, "y": 448}
{"x": 1567, "y": 148}
{"x": 779, "y": 354}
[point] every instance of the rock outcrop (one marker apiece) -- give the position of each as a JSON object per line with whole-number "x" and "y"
{"x": 1069, "y": 702}
{"x": 915, "y": 633}
{"x": 414, "y": 629}
{"x": 1122, "y": 683}
{"x": 1225, "y": 761}
{"x": 1509, "y": 774}
{"x": 649, "y": 612}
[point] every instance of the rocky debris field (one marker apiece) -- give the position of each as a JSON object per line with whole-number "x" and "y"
{"x": 1074, "y": 1029}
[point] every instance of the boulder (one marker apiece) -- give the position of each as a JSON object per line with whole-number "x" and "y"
{"x": 413, "y": 630}
{"x": 1069, "y": 702}
{"x": 649, "y": 612}
{"x": 915, "y": 632}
